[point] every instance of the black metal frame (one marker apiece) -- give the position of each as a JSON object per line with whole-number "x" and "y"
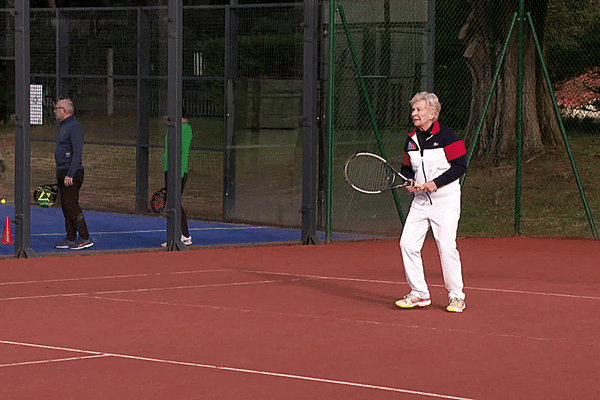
{"x": 310, "y": 123}
{"x": 229, "y": 140}
{"x": 175, "y": 88}
{"x": 175, "y": 71}
{"x": 22, "y": 131}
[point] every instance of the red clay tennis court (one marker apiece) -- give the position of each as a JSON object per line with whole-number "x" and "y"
{"x": 302, "y": 322}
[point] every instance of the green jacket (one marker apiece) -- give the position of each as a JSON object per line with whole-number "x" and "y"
{"x": 186, "y": 141}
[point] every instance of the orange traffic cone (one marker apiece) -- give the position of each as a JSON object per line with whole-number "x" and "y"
{"x": 7, "y": 236}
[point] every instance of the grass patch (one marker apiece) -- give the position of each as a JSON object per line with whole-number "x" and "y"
{"x": 110, "y": 169}
{"x": 551, "y": 204}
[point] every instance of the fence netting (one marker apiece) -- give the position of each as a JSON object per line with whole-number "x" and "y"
{"x": 245, "y": 59}
{"x": 242, "y": 94}
{"x": 393, "y": 43}
{"x": 381, "y": 47}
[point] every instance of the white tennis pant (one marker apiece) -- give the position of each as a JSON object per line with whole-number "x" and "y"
{"x": 442, "y": 214}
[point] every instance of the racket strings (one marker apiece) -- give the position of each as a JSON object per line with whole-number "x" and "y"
{"x": 370, "y": 174}
{"x": 158, "y": 201}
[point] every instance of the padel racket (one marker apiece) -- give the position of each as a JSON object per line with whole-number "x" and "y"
{"x": 372, "y": 174}
{"x": 46, "y": 195}
{"x": 158, "y": 201}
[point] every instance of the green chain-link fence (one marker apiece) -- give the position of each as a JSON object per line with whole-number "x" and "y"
{"x": 380, "y": 62}
{"x": 454, "y": 49}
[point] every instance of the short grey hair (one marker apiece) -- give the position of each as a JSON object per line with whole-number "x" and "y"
{"x": 67, "y": 104}
{"x": 432, "y": 102}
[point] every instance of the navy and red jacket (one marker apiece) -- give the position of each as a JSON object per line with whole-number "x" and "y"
{"x": 442, "y": 159}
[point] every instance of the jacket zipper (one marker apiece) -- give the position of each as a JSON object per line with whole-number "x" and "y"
{"x": 421, "y": 149}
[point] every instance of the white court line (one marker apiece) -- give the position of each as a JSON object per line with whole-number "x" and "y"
{"x": 97, "y": 354}
{"x": 93, "y": 278}
{"x": 330, "y": 318}
{"x": 52, "y": 361}
{"x": 282, "y": 274}
{"x": 397, "y": 283}
{"x": 214, "y": 285}
{"x": 96, "y": 295}
{"x": 157, "y": 231}
{"x": 533, "y": 293}
{"x": 154, "y": 289}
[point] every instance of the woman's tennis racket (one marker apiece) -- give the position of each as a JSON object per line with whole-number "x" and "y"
{"x": 158, "y": 201}
{"x": 46, "y": 195}
{"x": 372, "y": 174}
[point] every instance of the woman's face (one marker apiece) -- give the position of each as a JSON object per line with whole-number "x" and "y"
{"x": 423, "y": 117}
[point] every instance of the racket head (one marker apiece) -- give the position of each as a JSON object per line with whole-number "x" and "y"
{"x": 371, "y": 174}
{"x": 158, "y": 201}
{"x": 46, "y": 195}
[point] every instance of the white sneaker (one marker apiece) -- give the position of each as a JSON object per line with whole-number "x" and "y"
{"x": 187, "y": 240}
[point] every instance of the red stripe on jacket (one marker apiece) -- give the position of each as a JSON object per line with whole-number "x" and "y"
{"x": 455, "y": 150}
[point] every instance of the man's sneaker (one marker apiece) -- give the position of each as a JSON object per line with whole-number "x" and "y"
{"x": 187, "y": 240}
{"x": 456, "y": 305}
{"x": 64, "y": 244}
{"x": 80, "y": 244}
{"x": 410, "y": 301}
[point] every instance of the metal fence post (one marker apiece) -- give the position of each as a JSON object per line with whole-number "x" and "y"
{"x": 143, "y": 112}
{"x": 229, "y": 153}
{"x": 309, "y": 149}
{"x": 22, "y": 131}
{"x": 368, "y": 103}
{"x": 174, "y": 79}
{"x": 62, "y": 54}
{"x": 519, "y": 117}
{"x": 330, "y": 120}
{"x": 540, "y": 55}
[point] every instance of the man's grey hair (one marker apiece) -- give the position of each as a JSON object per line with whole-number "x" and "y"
{"x": 68, "y": 106}
{"x": 432, "y": 102}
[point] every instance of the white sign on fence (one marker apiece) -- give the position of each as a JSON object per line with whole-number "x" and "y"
{"x": 36, "y": 109}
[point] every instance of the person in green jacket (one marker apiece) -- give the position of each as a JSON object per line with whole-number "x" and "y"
{"x": 186, "y": 140}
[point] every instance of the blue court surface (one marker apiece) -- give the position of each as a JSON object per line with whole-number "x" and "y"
{"x": 127, "y": 232}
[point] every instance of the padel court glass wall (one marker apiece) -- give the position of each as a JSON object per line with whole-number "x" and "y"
{"x": 242, "y": 95}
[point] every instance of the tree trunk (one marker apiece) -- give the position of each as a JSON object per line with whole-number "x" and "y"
{"x": 484, "y": 33}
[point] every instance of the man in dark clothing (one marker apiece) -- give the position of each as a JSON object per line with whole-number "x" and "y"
{"x": 69, "y": 174}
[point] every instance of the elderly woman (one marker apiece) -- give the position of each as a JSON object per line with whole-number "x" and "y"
{"x": 435, "y": 158}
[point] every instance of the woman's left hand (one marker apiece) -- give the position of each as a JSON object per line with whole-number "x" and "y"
{"x": 428, "y": 187}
